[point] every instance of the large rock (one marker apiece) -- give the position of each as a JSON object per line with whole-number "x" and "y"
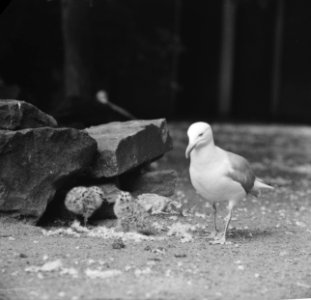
{"x": 15, "y": 114}
{"x": 125, "y": 145}
{"x": 161, "y": 182}
{"x": 34, "y": 163}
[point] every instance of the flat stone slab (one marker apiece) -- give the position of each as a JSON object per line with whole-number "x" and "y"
{"x": 16, "y": 114}
{"x": 123, "y": 146}
{"x": 35, "y": 163}
{"x": 161, "y": 182}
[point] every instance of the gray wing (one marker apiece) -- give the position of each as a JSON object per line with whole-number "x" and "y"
{"x": 241, "y": 171}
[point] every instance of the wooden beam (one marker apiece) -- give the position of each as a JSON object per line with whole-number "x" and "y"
{"x": 277, "y": 58}
{"x": 77, "y": 43}
{"x": 176, "y": 54}
{"x": 227, "y": 58}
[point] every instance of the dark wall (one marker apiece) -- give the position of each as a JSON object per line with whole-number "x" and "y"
{"x": 253, "y": 61}
{"x": 31, "y": 50}
{"x": 200, "y": 59}
{"x": 162, "y": 58}
{"x": 296, "y": 64}
{"x": 134, "y": 45}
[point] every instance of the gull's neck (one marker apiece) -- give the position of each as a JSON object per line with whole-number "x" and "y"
{"x": 204, "y": 154}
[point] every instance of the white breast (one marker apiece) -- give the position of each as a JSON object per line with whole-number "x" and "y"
{"x": 210, "y": 180}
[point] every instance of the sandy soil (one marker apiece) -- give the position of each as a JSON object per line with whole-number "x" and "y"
{"x": 269, "y": 258}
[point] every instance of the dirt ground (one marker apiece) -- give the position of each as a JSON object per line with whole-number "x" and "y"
{"x": 269, "y": 258}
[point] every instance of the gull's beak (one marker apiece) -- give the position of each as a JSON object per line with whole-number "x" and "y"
{"x": 189, "y": 149}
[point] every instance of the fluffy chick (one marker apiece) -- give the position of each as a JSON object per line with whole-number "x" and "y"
{"x": 84, "y": 201}
{"x": 131, "y": 215}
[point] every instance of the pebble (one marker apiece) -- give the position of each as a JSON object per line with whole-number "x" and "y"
{"x": 180, "y": 255}
{"x": 118, "y": 244}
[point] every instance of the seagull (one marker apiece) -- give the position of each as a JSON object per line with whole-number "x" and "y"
{"x": 219, "y": 175}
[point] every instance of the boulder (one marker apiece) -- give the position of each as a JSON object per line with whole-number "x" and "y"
{"x": 35, "y": 163}
{"x": 123, "y": 146}
{"x": 15, "y": 115}
{"x": 161, "y": 182}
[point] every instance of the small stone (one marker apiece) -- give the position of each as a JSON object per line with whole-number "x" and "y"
{"x": 151, "y": 263}
{"x": 300, "y": 224}
{"x": 69, "y": 271}
{"x": 155, "y": 259}
{"x": 118, "y": 244}
{"x": 61, "y": 294}
{"x": 283, "y": 253}
{"x": 180, "y": 255}
{"x": 47, "y": 267}
{"x": 237, "y": 262}
{"x": 159, "y": 250}
{"x": 200, "y": 215}
{"x": 23, "y": 255}
{"x": 127, "y": 268}
{"x": 90, "y": 261}
{"x": 94, "y": 274}
{"x": 144, "y": 271}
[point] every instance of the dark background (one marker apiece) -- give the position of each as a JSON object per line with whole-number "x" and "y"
{"x": 160, "y": 58}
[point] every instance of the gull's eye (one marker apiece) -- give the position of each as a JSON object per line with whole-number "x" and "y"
{"x": 201, "y": 134}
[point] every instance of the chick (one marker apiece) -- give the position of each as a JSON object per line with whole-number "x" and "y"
{"x": 84, "y": 201}
{"x": 131, "y": 215}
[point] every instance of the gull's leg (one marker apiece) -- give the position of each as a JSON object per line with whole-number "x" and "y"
{"x": 215, "y": 217}
{"x": 213, "y": 234}
{"x": 228, "y": 219}
{"x": 223, "y": 240}
{"x": 85, "y": 220}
